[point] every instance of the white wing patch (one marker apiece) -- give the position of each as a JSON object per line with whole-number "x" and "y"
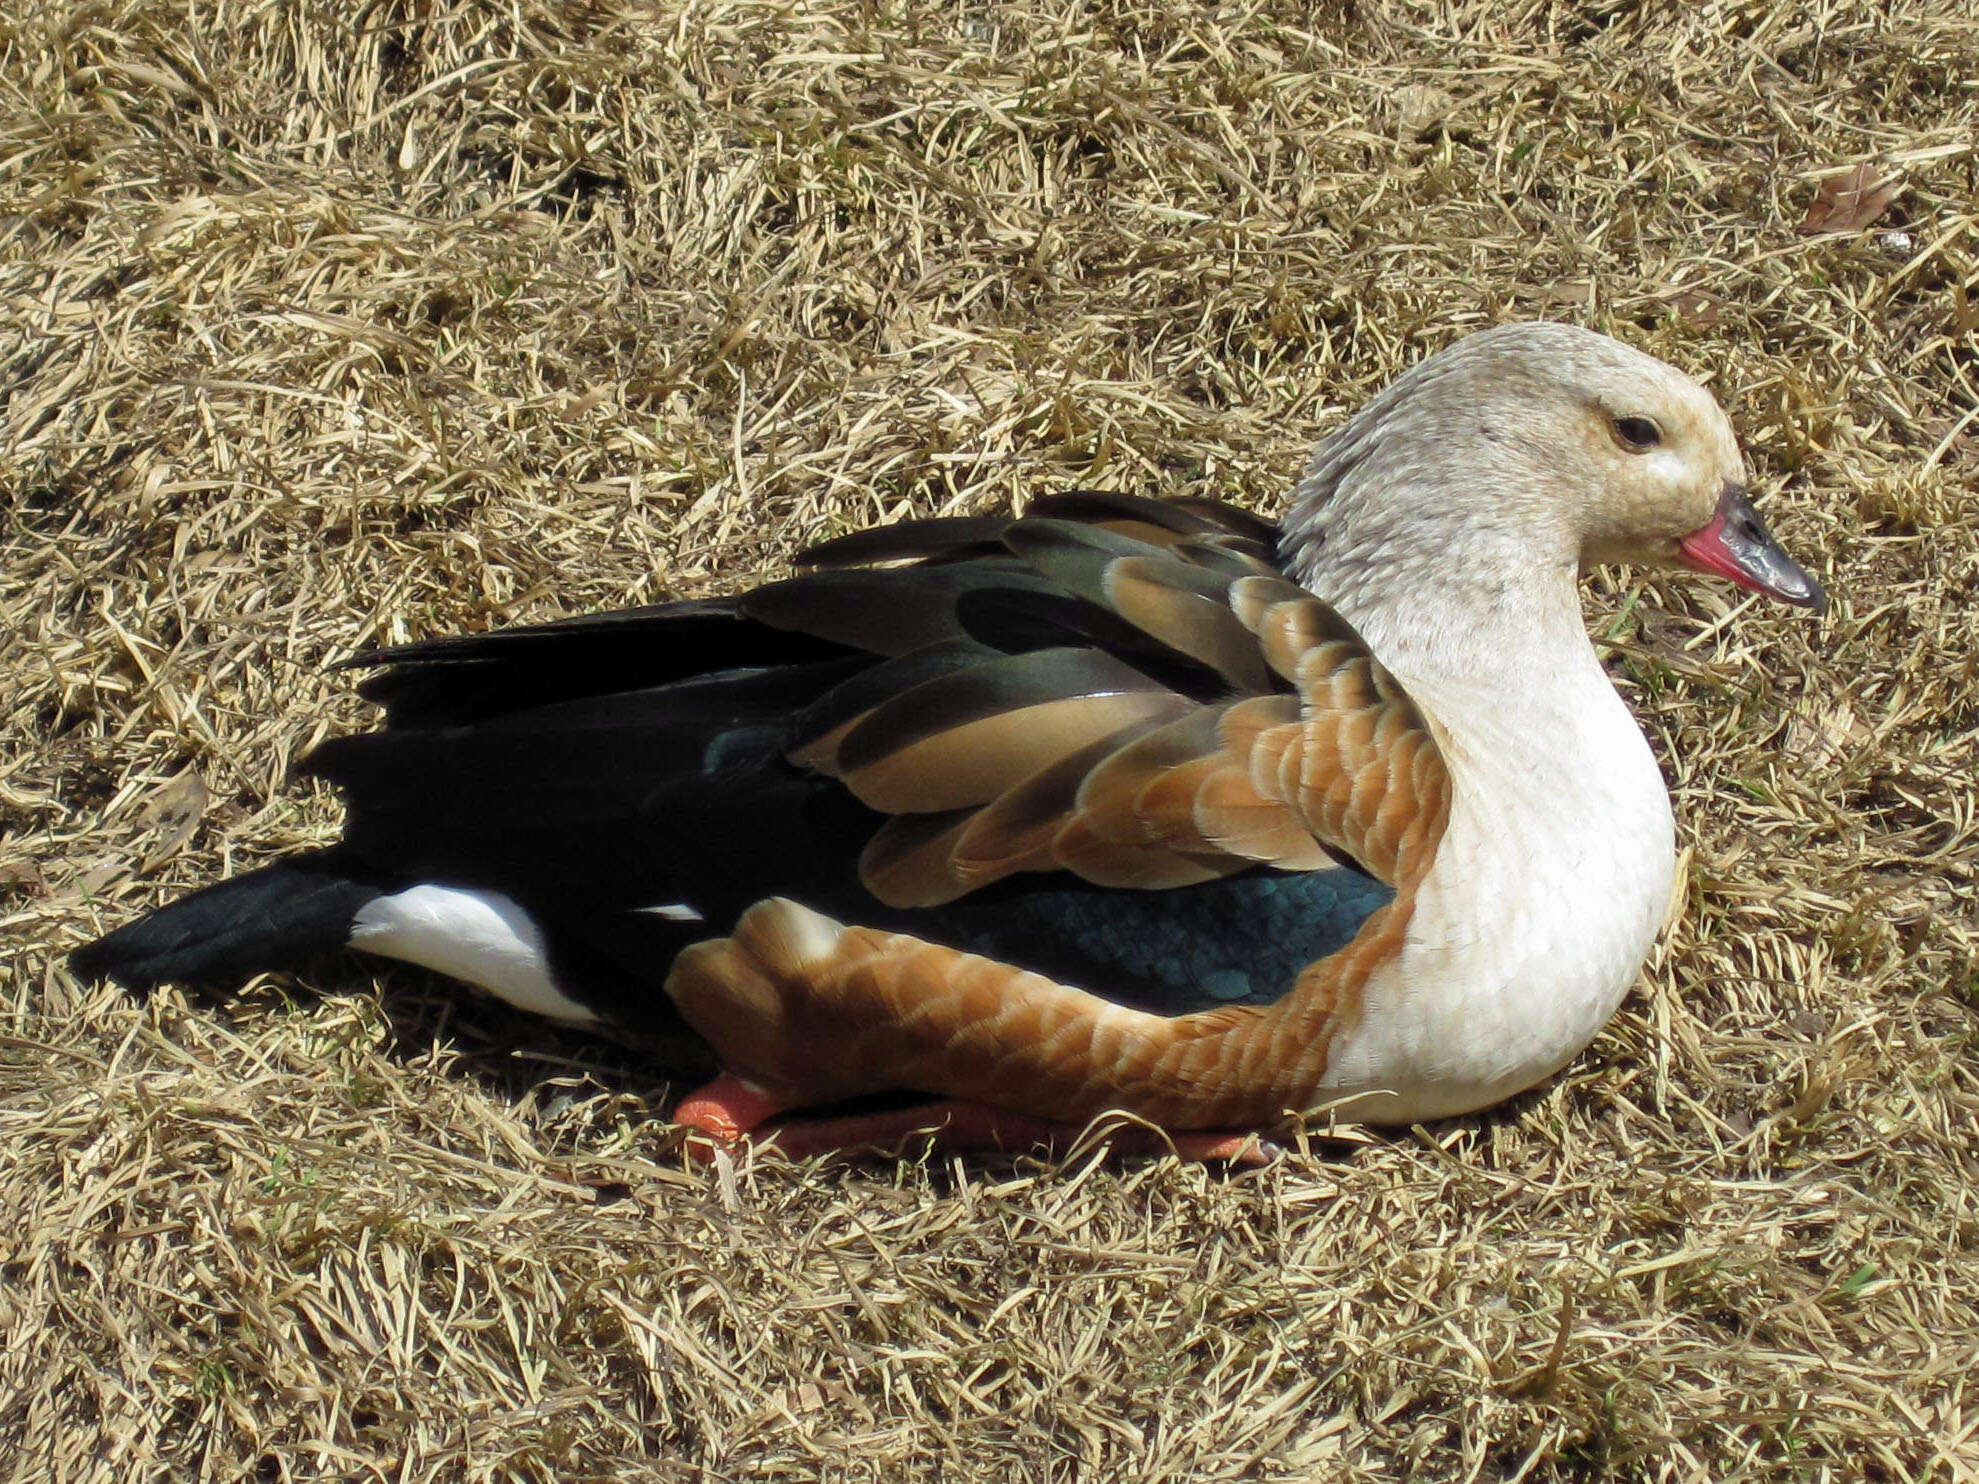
{"x": 674, "y": 912}
{"x": 481, "y": 937}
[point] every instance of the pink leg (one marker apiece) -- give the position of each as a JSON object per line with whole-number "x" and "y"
{"x": 729, "y": 1110}
{"x": 1248, "y": 1151}
{"x": 726, "y": 1109}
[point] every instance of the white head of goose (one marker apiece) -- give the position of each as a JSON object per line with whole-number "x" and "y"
{"x": 1123, "y": 804}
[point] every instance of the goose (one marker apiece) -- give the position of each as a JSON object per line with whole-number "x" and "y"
{"x": 992, "y": 826}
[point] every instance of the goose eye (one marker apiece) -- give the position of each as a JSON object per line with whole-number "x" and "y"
{"x": 1637, "y": 434}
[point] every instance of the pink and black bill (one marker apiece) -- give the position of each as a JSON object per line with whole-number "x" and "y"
{"x": 1736, "y": 544}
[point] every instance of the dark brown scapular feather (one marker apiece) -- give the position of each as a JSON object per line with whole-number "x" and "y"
{"x": 1230, "y": 558}
{"x": 557, "y": 633}
{"x": 1187, "y": 609}
{"x": 1160, "y": 523}
{"x": 1109, "y": 800}
{"x": 1104, "y": 862}
{"x": 926, "y": 860}
{"x": 1073, "y": 555}
{"x": 948, "y": 537}
{"x": 892, "y": 611}
{"x": 909, "y": 861}
{"x": 1232, "y": 520}
{"x": 1020, "y": 825}
{"x": 823, "y": 725}
{"x": 964, "y": 738}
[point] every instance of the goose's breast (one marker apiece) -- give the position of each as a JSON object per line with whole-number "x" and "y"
{"x": 1546, "y": 894}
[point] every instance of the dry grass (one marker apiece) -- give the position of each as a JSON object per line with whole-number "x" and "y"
{"x": 321, "y": 325}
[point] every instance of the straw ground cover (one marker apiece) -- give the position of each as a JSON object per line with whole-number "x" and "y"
{"x": 327, "y": 325}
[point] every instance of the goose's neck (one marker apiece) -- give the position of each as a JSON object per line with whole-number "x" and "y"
{"x": 1471, "y": 634}
{"x": 1498, "y": 659}
{"x": 1472, "y": 602}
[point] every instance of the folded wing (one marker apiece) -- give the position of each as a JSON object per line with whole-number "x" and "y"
{"x": 1120, "y": 689}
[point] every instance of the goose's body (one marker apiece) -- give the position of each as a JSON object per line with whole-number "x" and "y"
{"x": 1133, "y": 805}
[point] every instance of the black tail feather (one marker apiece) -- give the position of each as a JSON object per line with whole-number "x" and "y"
{"x": 267, "y": 919}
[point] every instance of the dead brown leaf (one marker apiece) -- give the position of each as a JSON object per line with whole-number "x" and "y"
{"x": 1817, "y": 736}
{"x": 1695, "y": 308}
{"x": 1560, "y": 294}
{"x": 174, "y": 810}
{"x": 1850, "y": 201}
{"x": 1421, "y": 111}
{"x": 24, "y": 877}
